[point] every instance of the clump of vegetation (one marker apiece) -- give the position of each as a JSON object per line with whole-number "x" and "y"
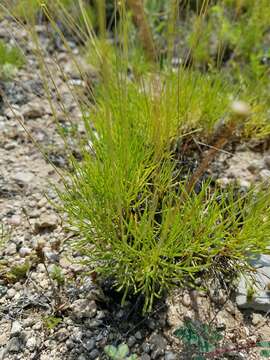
{"x": 129, "y": 200}
{"x": 120, "y": 352}
{"x": 11, "y": 59}
{"x": 202, "y": 342}
{"x": 143, "y": 219}
{"x": 50, "y": 322}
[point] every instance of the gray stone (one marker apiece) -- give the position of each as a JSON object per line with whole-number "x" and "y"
{"x": 84, "y": 308}
{"x": 25, "y": 251}
{"x": 11, "y": 249}
{"x": 255, "y": 166}
{"x": 145, "y": 357}
{"x": 158, "y": 341}
{"x": 16, "y": 328}
{"x": 62, "y": 334}
{"x": 15, "y": 220}
{"x": 170, "y": 356}
{"x": 3, "y": 290}
{"x": 70, "y": 344}
{"x": 254, "y": 293}
{"x": 186, "y": 301}
{"x": 146, "y": 347}
{"x": 31, "y": 343}
{"x": 94, "y": 354}
{"x": 138, "y": 335}
{"x": 14, "y": 345}
{"x": 257, "y": 319}
{"x": 33, "y": 110}
{"x": 157, "y": 353}
{"x": 81, "y": 357}
{"x": 46, "y": 222}
{"x": 4, "y": 332}
{"x": 90, "y": 344}
{"x": 131, "y": 341}
{"x": 23, "y": 178}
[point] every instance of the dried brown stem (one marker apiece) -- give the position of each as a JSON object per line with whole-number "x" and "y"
{"x": 145, "y": 34}
{"x": 224, "y": 137}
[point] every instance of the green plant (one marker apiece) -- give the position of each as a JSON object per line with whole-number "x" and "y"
{"x": 11, "y": 59}
{"x": 57, "y": 275}
{"x": 119, "y": 353}
{"x": 50, "y": 322}
{"x": 250, "y": 293}
{"x": 128, "y": 198}
{"x": 203, "y": 341}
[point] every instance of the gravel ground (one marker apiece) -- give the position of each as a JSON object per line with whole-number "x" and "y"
{"x": 75, "y": 318}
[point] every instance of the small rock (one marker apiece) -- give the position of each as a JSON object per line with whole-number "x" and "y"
{"x": 46, "y": 222}
{"x": 23, "y": 178}
{"x": 42, "y": 202}
{"x": 158, "y": 341}
{"x": 33, "y": 110}
{"x": 31, "y": 322}
{"x": 265, "y": 175}
{"x": 14, "y": 345}
{"x": 16, "y": 328}
{"x": 62, "y": 334}
{"x": 4, "y": 333}
{"x": 12, "y": 113}
{"x": 70, "y": 344}
{"x": 11, "y": 293}
{"x": 25, "y": 251}
{"x": 31, "y": 343}
{"x": 253, "y": 293}
{"x": 3, "y": 290}
{"x": 138, "y": 335}
{"x": 131, "y": 341}
{"x": 11, "y": 249}
{"x": 157, "y": 353}
{"x": 81, "y": 357}
{"x": 257, "y": 319}
{"x": 90, "y": 344}
{"x": 15, "y": 220}
{"x": 186, "y": 301}
{"x": 145, "y": 357}
{"x": 170, "y": 356}
{"x": 146, "y": 347}
{"x": 84, "y": 308}
{"x": 255, "y": 166}
{"x": 94, "y": 354}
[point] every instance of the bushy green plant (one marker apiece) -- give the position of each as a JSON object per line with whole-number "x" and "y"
{"x": 126, "y": 197}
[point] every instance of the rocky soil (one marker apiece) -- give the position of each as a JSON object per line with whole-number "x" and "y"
{"x": 73, "y": 317}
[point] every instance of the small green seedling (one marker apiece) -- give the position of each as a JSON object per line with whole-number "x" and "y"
{"x": 250, "y": 293}
{"x": 50, "y": 322}
{"x": 119, "y": 353}
{"x": 57, "y": 275}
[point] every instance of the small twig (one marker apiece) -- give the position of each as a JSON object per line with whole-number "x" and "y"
{"x": 224, "y": 134}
